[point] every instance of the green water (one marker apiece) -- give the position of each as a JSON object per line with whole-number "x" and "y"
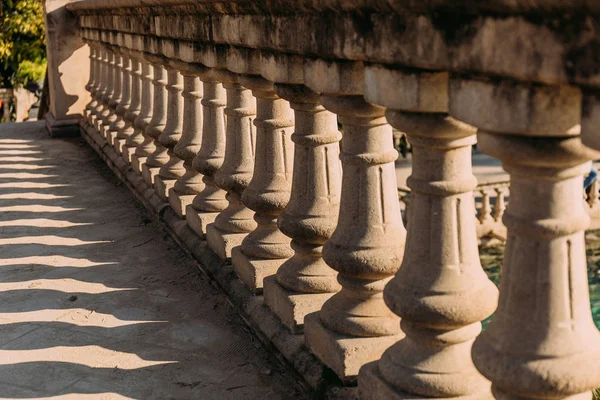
{"x": 491, "y": 259}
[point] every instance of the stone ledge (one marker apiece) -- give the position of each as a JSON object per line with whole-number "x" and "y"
{"x": 266, "y": 326}
{"x": 549, "y": 49}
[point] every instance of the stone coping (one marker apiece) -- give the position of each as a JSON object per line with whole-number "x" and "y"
{"x": 492, "y": 6}
{"x": 543, "y": 50}
{"x": 276, "y": 338}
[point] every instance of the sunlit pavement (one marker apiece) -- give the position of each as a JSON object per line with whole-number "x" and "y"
{"x": 96, "y": 302}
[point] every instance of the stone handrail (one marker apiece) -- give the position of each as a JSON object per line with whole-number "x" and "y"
{"x": 228, "y": 112}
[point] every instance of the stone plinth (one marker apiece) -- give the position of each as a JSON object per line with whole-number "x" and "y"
{"x": 68, "y": 69}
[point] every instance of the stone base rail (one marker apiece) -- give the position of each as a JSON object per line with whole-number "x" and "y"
{"x": 223, "y": 117}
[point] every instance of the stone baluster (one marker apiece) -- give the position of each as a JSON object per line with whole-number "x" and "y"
{"x": 304, "y": 282}
{"x": 355, "y": 326}
{"x": 500, "y": 205}
{"x": 141, "y": 95}
{"x": 190, "y": 184}
{"x": 173, "y": 169}
{"x": 441, "y": 291}
{"x": 235, "y": 222}
{"x": 542, "y": 342}
{"x": 211, "y": 200}
{"x": 485, "y": 213}
{"x": 118, "y": 127}
{"x": 113, "y": 120}
{"x": 156, "y": 125}
{"x": 265, "y": 248}
{"x": 102, "y": 57}
{"x": 106, "y": 111}
{"x": 94, "y": 79}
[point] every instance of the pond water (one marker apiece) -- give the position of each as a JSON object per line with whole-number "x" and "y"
{"x": 491, "y": 260}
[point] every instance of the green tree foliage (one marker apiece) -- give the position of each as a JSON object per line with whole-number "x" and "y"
{"x": 22, "y": 42}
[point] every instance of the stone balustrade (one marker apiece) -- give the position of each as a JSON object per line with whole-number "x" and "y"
{"x": 267, "y": 129}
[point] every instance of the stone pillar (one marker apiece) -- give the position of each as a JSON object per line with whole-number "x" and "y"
{"x": 542, "y": 342}
{"x": 304, "y": 282}
{"x": 234, "y": 176}
{"x": 355, "y": 326}
{"x": 265, "y": 248}
{"x": 441, "y": 291}
{"x": 104, "y": 113}
{"x": 110, "y": 131}
{"x": 139, "y": 92}
{"x": 173, "y": 169}
{"x": 190, "y": 184}
{"x": 93, "y": 83}
{"x": 211, "y": 200}
{"x": 67, "y": 69}
{"x": 118, "y": 127}
{"x": 150, "y": 146}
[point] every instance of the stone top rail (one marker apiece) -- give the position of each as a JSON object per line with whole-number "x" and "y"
{"x": 535, "y": 41}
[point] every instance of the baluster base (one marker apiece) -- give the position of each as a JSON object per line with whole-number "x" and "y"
{"x": 126, "y": 152}
{"x": 221, "y": 242}
{"x": 374, "y": 387}
{"x": 118, "y": 145}
{"x": 291, "y": 307}
{"x": 111, "y": 136}
{"x": 344, "y": 354}
{"x": 252, "y": 271}
{"x": 198, "y": 221}
{"x": 163, "y": 186}
{"x": 137, "y": 162}
{"x": 180, "y": 202}
{"x": 149, "y": 174}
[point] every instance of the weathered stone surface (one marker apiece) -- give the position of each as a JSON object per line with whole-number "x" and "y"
{"x": 66, "y": 53}
{"x": 211, "y": 200}
{"x": 235, "y": 222}
{"x": 265, "y": 248}
{"x": 305, "y": 281}
{"x": 543, "y": 290}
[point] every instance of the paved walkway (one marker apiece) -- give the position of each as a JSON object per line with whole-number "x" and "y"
{"x": 96, "y": 302}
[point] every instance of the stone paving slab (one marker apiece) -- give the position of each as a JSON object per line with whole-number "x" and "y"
{"x": 97, "y": 302}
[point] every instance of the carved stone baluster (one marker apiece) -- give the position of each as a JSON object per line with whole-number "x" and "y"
{"x": 235, "y": 222}
{"x": 266, "y": 247}
{"x": 116, "y": 130}
{"x": 105, "y": 112}
{"x": 150, "y": 146}
{"x": 485, "y": 214}
{"x": 139, "y": 92}
{"x": 542, "y": 342}
{"x": 173, "y": 169}
{"x": 94, "y": 79}
{"x": 211, "y": 200}
{"x": 500, "y": 205}
{"x": 304, "y": 282}
{"x": 102, "y": 82}
{"x": 110, "y": 127}
{"x": 190, "y": 184}
{"x": 355, "y": 326}
{"x": 441, "y": 291}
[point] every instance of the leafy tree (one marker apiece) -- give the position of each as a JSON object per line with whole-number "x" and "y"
{"x": 22, "y": 42}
